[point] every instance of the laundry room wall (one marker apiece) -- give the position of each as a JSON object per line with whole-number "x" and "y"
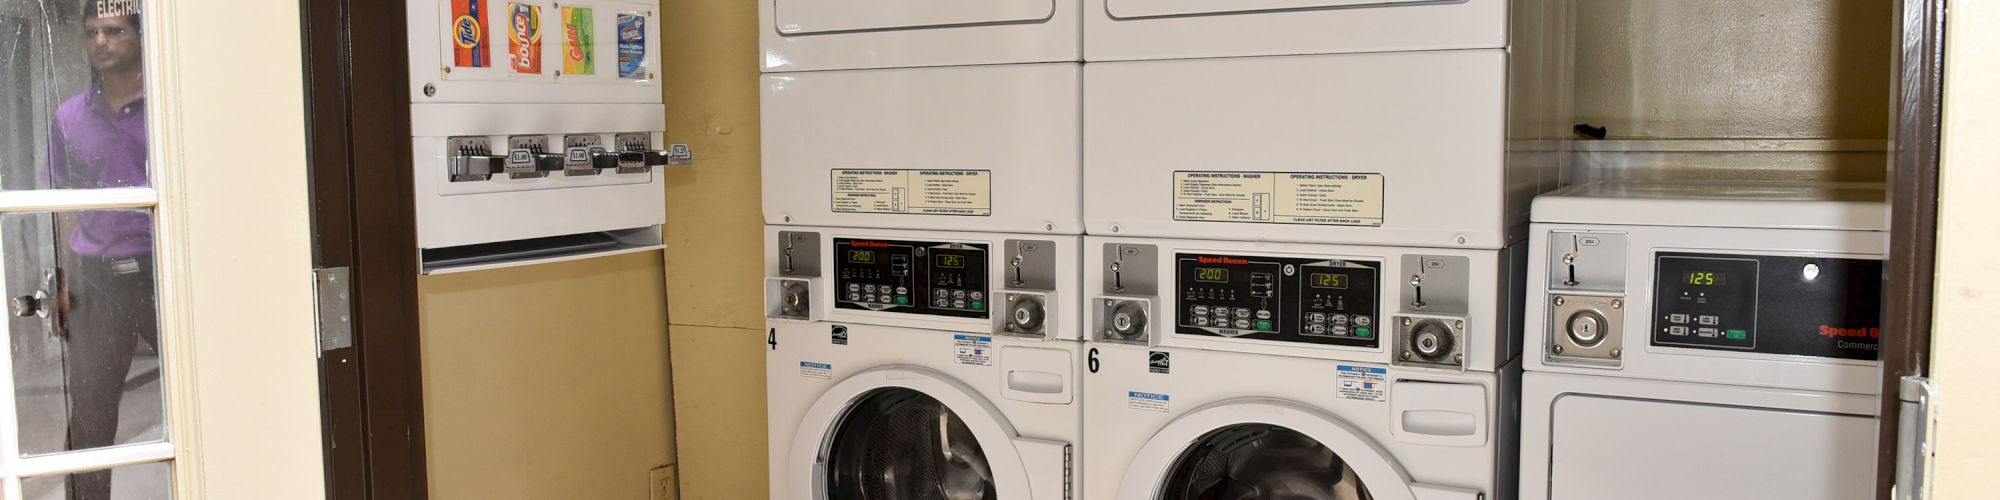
{"x": 1774, "y": 90}
{"x": 714, "y": 258}
{"x": 1963, "y": 346}
{"x": 547, "y": 381}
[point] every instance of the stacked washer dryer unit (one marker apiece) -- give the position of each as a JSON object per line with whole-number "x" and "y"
{"x": 1703, "y": 341}
{"x": 1306, "y": 227}
{"x": 922, "y": 195}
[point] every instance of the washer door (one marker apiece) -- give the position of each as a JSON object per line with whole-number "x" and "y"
{"x": 1263, "y": 449}
{"x": 911, "y": 433}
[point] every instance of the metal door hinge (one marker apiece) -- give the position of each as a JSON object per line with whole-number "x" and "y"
{"x": 1915, "y": 434}
{"x": 332, "y": 301}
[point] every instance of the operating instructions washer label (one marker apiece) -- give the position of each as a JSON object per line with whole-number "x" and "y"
{"x": 809, "y": 369}
{"x": 1364, "y": 383}
{"x": 1332, "y": 199}
{"x": 913, "y": 192}
{"x": 1146, "y": 401}
{"x": 974, "y": 350}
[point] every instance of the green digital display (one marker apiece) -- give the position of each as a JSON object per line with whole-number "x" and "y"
{"x": 1211, "y": 274}
{"x": 861, "y": 256}
{"x": 1333, "y": 281}
{"x": 954, "y": 261}
{"x": 1705, "y": 278}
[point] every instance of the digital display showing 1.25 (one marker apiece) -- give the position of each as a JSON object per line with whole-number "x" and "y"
{"x": 953, "y": 261}
{"x": 861, "y": 256}
{"x": 1211, "y": 274}
{"x": 1333, "y": 281}
{"x": 1705, "y": 278}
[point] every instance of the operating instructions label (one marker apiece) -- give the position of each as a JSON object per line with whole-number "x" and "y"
{"x": 914, "y": 192}
{"x": 1333, "y": 199}
{"x": 1364, "y": 383}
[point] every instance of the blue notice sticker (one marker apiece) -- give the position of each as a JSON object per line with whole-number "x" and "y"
{"x": 631, "y": 46}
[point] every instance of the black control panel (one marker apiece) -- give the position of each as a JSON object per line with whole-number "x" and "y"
{"x": 1304, "y": 300}
{"x": 916, "y": 277}
{"x": 1803, "y": 306}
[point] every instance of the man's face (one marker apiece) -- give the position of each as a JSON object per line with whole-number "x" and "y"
{"x": 111, "y": 42}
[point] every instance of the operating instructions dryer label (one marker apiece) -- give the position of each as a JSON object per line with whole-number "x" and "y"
{"x": 974, "y": 350}
{"x": 1332, "y": 199}
{"x": 913, "y": 192}
{"x": 1364, "y": 383}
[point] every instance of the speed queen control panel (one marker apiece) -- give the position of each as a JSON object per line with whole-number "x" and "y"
{"x": 1307, "y": 300}
{"x": 917, "y": 277}
{"x": 1777, "y": 285}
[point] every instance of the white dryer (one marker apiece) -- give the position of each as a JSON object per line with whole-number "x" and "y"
{"x": 864, "y": 412}
{"x": 1703, "y": 340}
{"x": 814, "y": 35}
{"x": 1183, "y": 424}
{"x": 1118, "y": 30}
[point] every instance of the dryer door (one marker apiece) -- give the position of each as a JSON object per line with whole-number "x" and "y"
{"x": 911, "y": 433}
{"x": 1269, "y": 449}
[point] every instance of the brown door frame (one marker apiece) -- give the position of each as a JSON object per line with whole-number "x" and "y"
{"x": 364, "y": 218}
{"x": 1913, "y": 208}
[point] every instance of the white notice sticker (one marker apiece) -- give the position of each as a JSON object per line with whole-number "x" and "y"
{"x": 917, "y": 192}
{"x": 1335, "y": 199}
{"x": 1146, "y": 401}
{"x": 810, "y": 369}
{"x": 974, "y": 350}
{"x": 1364, "y": 383}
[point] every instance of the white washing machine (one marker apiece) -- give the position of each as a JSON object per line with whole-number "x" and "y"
{"x": 1726, "y": 332}
{"x": 1435, "y": 148}
{"x": 1442, "y": 309}
{"x": 1172, "y": 29}
{"x": 873, "y": 412}
{"x": 1177, "y": 424}
{"x": 813, "y": 35}
{"x": 992, "y": 283}
{"x": 971, "y": 148}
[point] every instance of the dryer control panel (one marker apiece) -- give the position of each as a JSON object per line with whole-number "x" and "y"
{"x": 1803, "y": 306}
{"x": 1286, "y": 299}
{"x": 916, "y": 277}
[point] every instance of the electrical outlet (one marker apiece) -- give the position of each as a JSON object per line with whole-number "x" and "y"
{"x": 666, "y": 483}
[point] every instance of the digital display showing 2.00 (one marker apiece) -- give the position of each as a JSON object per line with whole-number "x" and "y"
{"x": 861, "y": 256}
{"x": 953, "y": 261}
{"x": 1211, "y": 274}
{"x": 1332, "y": 281}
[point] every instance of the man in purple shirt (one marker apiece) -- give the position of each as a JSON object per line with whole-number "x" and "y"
{"x": 98, "y": 140}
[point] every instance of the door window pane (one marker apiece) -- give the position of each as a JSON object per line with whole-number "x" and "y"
{"x": 84, "y": 329}
{"x": 132, "y": 482}
{"x": 72, "y": 97}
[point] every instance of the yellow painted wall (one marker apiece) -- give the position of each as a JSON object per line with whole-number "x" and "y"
{"x": 714, "y": 264}
{"x": 547, "y": 381}
{"x": 1968, "y": 434}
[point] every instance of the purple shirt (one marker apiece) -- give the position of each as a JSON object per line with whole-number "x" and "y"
{"x": 93, "y": 146}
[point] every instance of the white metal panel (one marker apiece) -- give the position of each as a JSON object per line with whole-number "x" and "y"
{"x": 431, "y": 43}
{"x": 1486, "y": 328}
{"x": 813, "y": 35}
{"x": 1432, "y": 125}
{"x": 1065, "y": 317}
{"x": 1288, "y": 391}
{"x": 1171, "y": 29}
{"x": 1774, "y": 205}
{"x": 1642, "y": 360}
{"x": 1020, "y": 124}
{"x": 1590, "y": 437}
{"x": 1026, "y": 433}
{"x": 463, "y": 213}
{"x": 798, "y": 17}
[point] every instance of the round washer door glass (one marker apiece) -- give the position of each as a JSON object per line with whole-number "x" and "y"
{"x": 900, "y": 444}
{"x": 1260, "y": 462}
